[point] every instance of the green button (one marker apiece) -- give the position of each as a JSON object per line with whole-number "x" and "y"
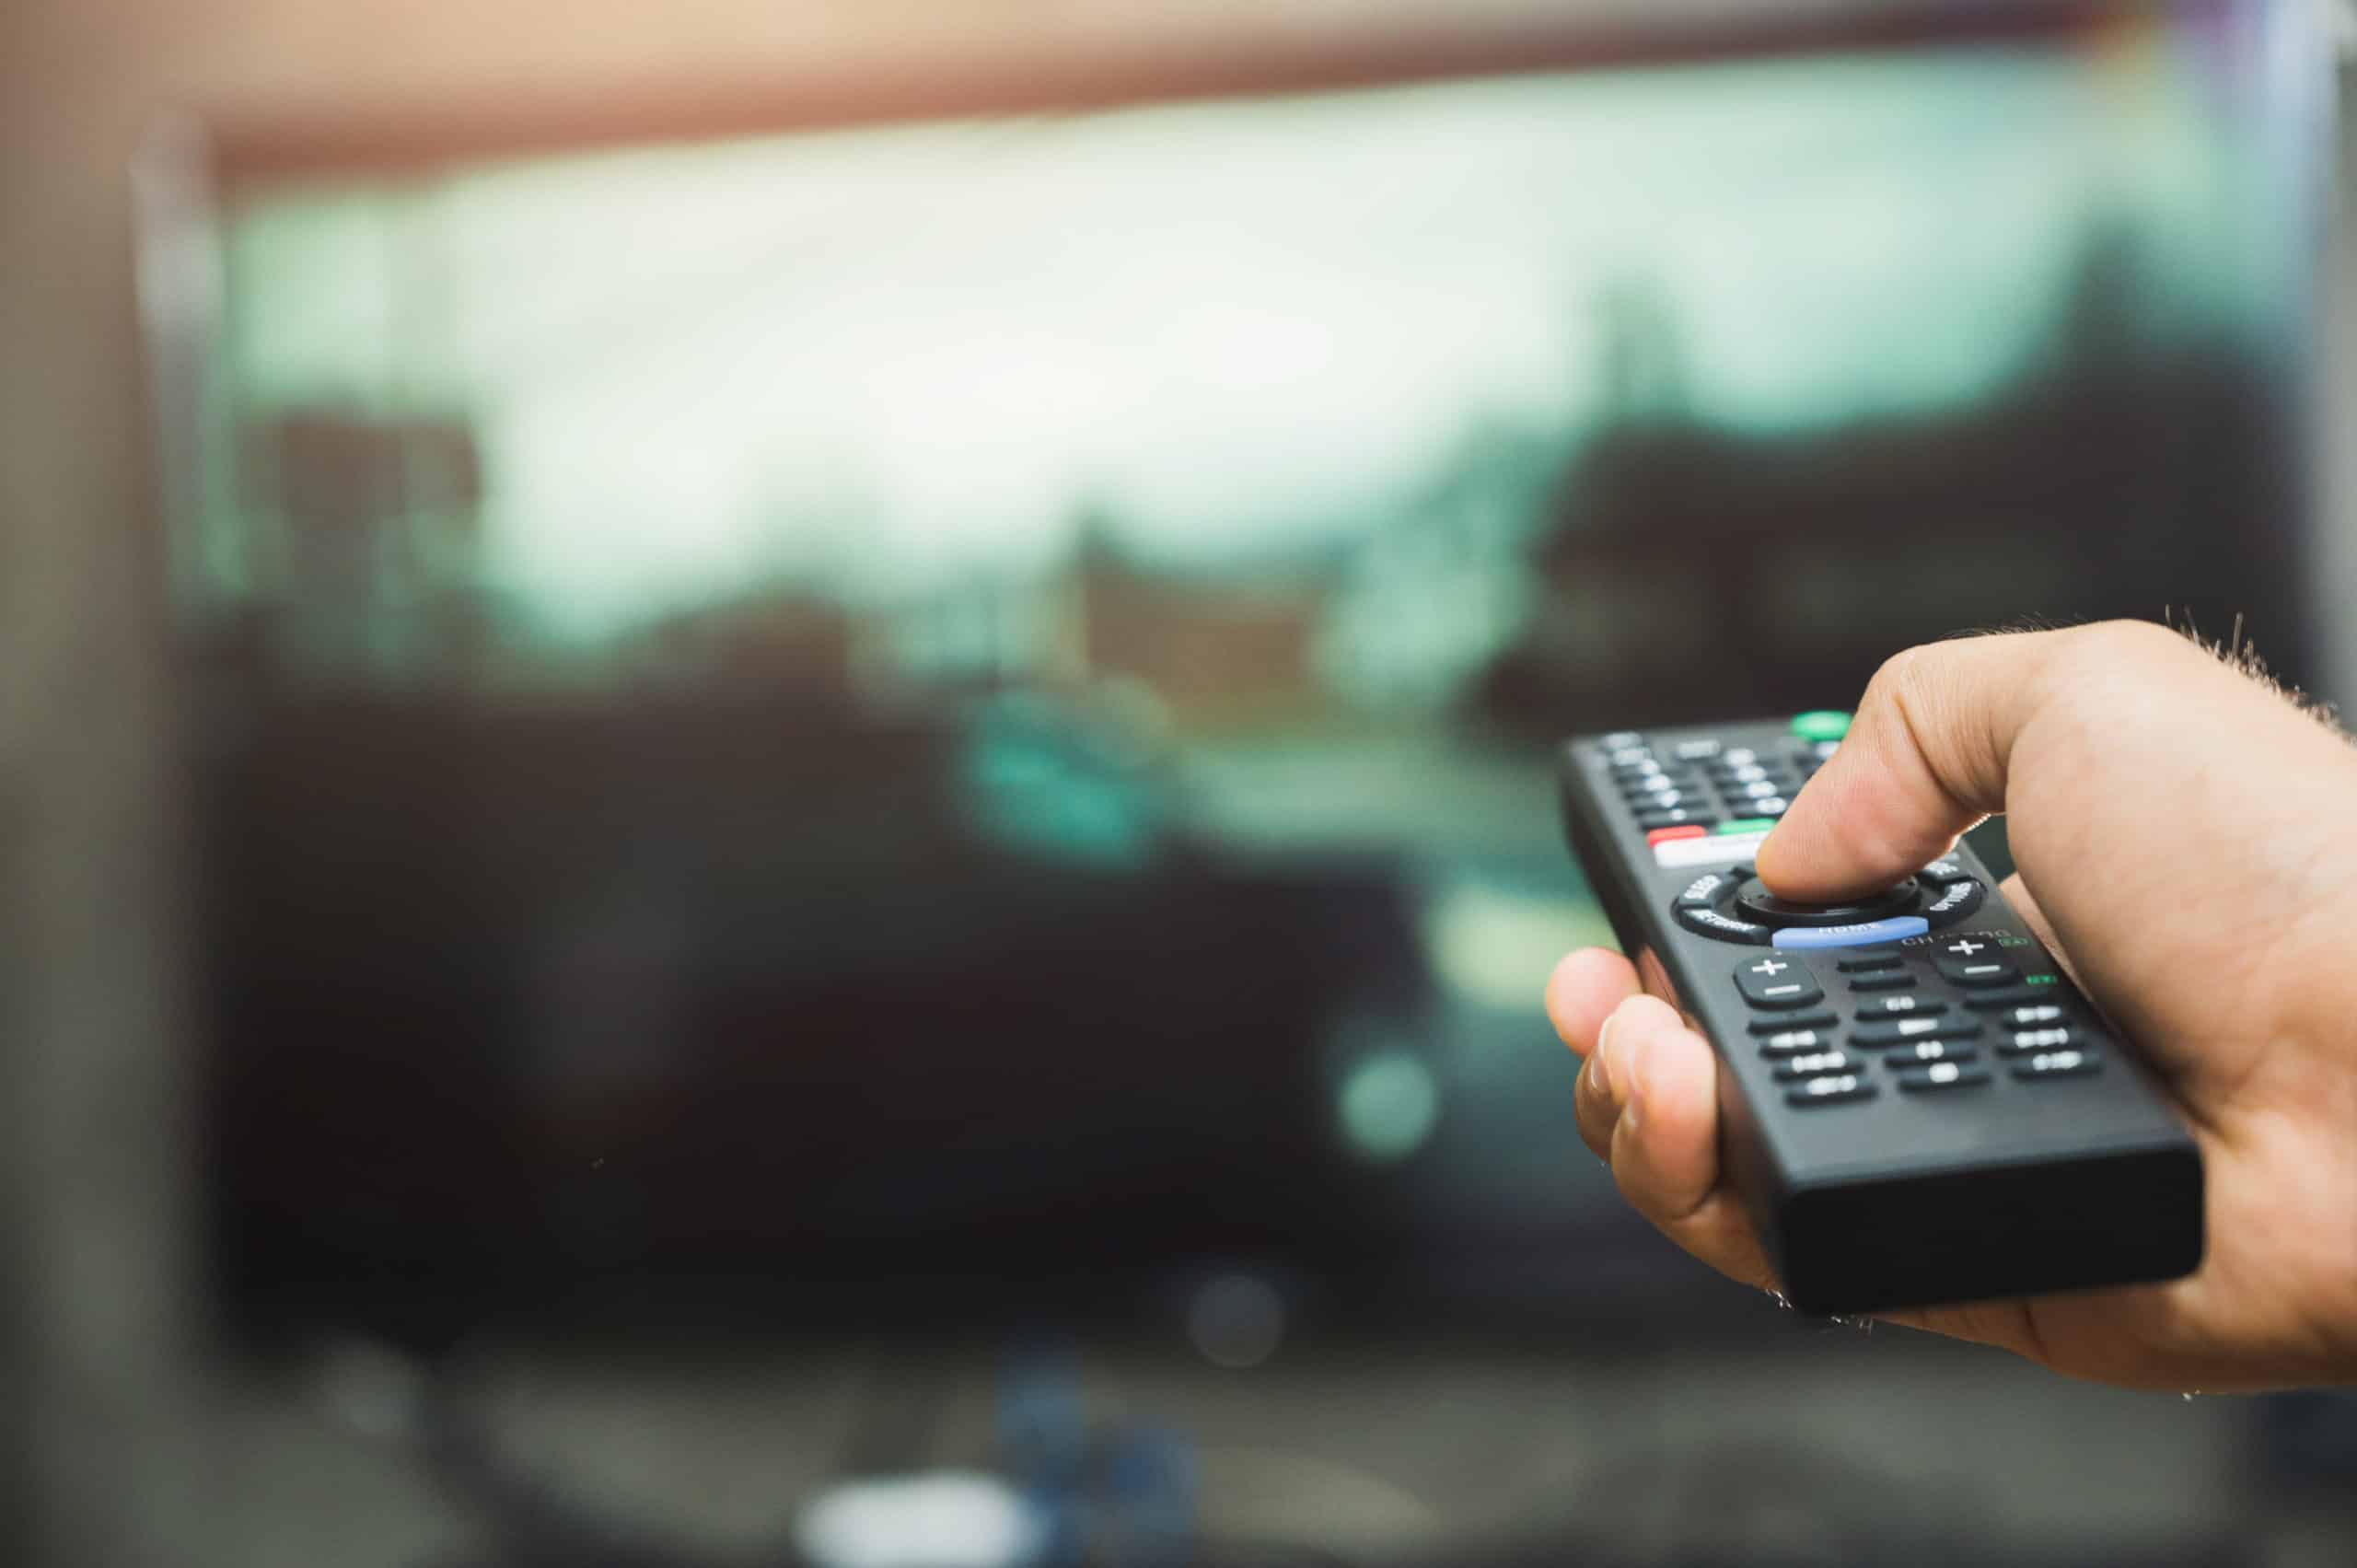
{"x": 1826, "y": 723}
{"x": 2038, "y": 980}
{"x": 1747, "y": 825}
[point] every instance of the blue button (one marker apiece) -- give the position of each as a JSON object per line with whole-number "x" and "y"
{"x": 1889, "y": 930}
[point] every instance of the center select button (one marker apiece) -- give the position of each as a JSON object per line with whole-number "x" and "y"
{"x": 1858, "y": 935}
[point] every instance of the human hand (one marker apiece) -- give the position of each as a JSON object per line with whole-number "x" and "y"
{"x": 2187, "y": 845}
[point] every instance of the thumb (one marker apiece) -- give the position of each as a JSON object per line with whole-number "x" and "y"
{"x": 1925, "y": 759}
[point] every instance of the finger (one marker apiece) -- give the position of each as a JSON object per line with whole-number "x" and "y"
{"x": 1664, "y": 1143}
{"x": 2025, "y": 904}
{"x": 1925, "y": 757}
{"x": 1584, "y": 990}
{"x": 1603, "y": 1085}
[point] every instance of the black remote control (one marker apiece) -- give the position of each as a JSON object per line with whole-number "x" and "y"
{"x": 1916, "y": 1104}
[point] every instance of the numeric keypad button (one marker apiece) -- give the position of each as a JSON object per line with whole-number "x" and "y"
{"x": 1899, "y": 1006}
{"x": 1942, "y": 1075}
{"x": 2028, "y": 1043}
{"x": 1923, "y": 1051}
{"x": 1797, "y": 1042}
{"x": 1838, "y": 1090}
{"x": 2057, "y": 1065}
{"x": 1785, "y": 1023}
{"x": 1896, "y": 1031}
{"x": 1817, "y": 1064}
{"x": 2008, "y": 996}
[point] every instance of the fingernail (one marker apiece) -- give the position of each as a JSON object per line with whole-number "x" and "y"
{"x": 1599, "y": 1068}
{"x": 1633, "y": 1112}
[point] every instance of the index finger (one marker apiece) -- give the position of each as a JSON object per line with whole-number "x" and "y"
{"x": 1926, "y": 757}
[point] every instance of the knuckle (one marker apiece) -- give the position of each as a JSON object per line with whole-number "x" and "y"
{"x": 2113, "y": 644}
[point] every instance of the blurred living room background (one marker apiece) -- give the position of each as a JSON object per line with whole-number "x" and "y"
{"x": 774, "y": 779}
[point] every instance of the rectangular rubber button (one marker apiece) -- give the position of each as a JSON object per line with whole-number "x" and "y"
{"x": 1663, "y": 835}
{"x": 2058, "y": 1065}
{"x": 1784, "y": 1022}
{"x": 1866, "y": 963}
{"x": 1747, "y": 825}
{"x": 1795, "y": 1069}
{"x": 1830, "y": 1091}
{"x": 1862, "y": 934}
{"x": 1797, "y": 1042}
{"x": 1941, "y": 1076}
{"x": 1704, "y": 851}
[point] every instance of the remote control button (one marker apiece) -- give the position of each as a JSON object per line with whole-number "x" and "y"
{"x": 1738, "y": 756}
{"x": 1726, "y": 927}
{"x": 1830, "y": 1091}
{"x": 1747, "y": 825}
{"x": 1894, "y": 1031}
{"x": 1852, "y": 935}
{"x": 2006, "y": 996}
{"x": 2032, "y": 1016}
{"x": 1681, "y": 817}
{"x": 1621, "y": 737}
{"x": 1942, "y": 1075}
{"x": 2027, "y": 1042}
{"x": 1823, "y": 724}
{"x": 1979, "y": 972}
{"x": 1651, "y": 775}
{"x": 1712, "y": 850}
{"x": 1665, "y": 835}
{"x": 1786, "y": 1023}
{"x": 1946, "y": 869}
{"x": 1797, "y": 1042}
{"x": 1705, "y": 890}
{"x": 1751, "y": 896}
{"x": 1777, "y": 982}
{"x": 1695, "y": 750}
{"x": 1752, "y": 779}
{"x": 1815, "y": 1067}
{"x": 1635, "y": 754}
{"x": 1670, "y": 800}
{"x": 1924, "y": 1051}
{"x": 1768, "y": 807}
{"x": 1867, "y": 959}
{"x": 1891, "y": 980}
{"x": 2058, "y": 1065}
{"x": 1957, "y": 901}
{"x": 1895, "y": 1007}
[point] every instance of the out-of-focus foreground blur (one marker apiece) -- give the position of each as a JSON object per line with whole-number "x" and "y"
{"x": 774, "y": 778}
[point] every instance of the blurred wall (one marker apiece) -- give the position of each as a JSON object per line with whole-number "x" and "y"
{"x": 107, "y": 1409}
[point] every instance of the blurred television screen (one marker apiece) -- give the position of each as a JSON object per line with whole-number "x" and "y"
{"x": 941, "y": 712}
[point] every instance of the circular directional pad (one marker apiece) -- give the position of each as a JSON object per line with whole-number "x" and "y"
{"x": 1733, "y": 905}
{"x": 1753, "y": 901}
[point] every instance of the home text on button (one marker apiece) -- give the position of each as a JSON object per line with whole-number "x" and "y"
{"x": 1858, "y": 935}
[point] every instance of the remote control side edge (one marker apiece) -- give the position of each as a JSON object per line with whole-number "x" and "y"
{"x": 1742, "y": 1151}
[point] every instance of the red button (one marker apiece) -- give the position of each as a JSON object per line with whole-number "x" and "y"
{"x": 1692, "y": 831}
